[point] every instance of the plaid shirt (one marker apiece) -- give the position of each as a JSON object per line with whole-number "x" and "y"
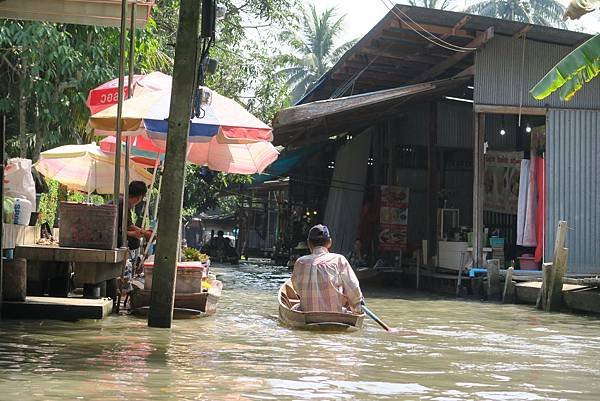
{"x": 325, "y": 282}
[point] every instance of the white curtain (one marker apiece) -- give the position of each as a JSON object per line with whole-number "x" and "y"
{"x": 345, "y": 200}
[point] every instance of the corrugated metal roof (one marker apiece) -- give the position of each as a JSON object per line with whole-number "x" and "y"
{"x": 336, "y": 116}
{"x": 83, "y": 12}
{"x": 391, "y": 54}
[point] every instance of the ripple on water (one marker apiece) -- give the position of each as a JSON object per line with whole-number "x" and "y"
{"x": 455, "y": 351}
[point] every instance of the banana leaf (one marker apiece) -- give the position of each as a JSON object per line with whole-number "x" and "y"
{"x": 569, "y": 75}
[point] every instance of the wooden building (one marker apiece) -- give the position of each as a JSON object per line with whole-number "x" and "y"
{"x": 426, "y": 97}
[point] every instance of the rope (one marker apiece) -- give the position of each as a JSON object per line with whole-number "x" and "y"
{"x": 436, "y": 41}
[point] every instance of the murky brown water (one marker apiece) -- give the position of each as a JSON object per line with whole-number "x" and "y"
{"x": 449, "y": 350}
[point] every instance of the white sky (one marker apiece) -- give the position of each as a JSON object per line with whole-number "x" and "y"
{"x": 362, "y": 15}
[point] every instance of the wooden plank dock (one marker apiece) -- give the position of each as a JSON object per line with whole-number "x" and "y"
{"x": 73, "y": 308}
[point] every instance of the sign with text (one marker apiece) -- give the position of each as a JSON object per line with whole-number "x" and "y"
{"x": 393, "y": 218}
{"x": 501, "y": 181}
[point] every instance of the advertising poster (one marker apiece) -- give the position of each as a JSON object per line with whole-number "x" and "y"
{"x": 393, "y": 218}
{"x": 501, "y": 182}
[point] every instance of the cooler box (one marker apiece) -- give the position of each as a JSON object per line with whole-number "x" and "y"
{"x": 84, "y": 225}
{"x": 189, "y": 276}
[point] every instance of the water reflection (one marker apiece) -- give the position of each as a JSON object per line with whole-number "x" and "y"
{"x": 447, "y": 350}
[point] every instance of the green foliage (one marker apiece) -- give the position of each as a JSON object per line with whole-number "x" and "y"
{"x": 50, "y": 201}
{"x": 542, "y": 12}
{"x": 314, "y": 49}
{"x": 207, "y": 189}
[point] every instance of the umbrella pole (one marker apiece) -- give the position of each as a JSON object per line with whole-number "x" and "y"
{"x": 146, "y": 224}
{"x": 127, "y": 140}
{"x": 119, "y": 137}
{"x": 157, "y": 202}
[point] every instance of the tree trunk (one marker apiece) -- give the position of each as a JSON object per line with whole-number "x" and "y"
{"x": 22, "y": 123}
{"x": 37, "y": 149}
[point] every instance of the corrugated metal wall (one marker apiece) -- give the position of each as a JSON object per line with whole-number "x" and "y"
{"x": 455, "y": 124}
{"x": 572, "y": 186}
{"x": 499, "y": 74}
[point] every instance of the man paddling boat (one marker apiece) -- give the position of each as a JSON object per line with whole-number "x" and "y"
{"x": 323, "y": 280}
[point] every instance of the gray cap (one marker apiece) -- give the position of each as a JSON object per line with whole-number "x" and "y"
{"x": 318, "y": 232}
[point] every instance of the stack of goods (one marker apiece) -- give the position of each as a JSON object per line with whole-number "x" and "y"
{"x": 497, "y": 245}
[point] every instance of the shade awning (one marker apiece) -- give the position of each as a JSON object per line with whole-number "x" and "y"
{"x": 311, "y": 122}
{"x": 82, "y": 12}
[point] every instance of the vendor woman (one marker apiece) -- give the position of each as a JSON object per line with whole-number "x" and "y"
{"x": 137, "y": 191}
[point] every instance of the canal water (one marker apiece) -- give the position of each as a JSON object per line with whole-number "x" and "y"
{"x": 446, "y": 350}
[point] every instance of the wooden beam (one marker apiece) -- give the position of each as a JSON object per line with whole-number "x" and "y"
{"x": 432, "y": 183}
{"x": 397, "y": 72}
{"x": 469, "y": 71}
{"x": 493, "y": 109}
{"x": 559, "y": 268}
{"x": 171, "y": 196}
{"x": 400, "y": 26}
{"x": 456, "y": 57}
{"x": 522, "y": 31}
{"x": 478, "y": 187}
{"x": 399, "y": 54}
{"x": 494, "y": 290}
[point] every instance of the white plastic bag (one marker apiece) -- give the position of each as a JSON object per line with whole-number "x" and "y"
{"x": 18, "y": 180}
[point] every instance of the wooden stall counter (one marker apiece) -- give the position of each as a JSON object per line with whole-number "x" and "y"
{"x": 50, "y": 269}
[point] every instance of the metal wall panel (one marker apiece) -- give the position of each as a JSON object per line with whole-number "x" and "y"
{"x": 572, "y": 185}
{"x": 501, "y": 80}
{"x": 411, "y": 126}
{"x": 455, "y": 124}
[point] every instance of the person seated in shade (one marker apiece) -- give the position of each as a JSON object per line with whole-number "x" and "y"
{"x": 220, "y": 247}
{"x": 137, "y": 191}
{"x": 356, "y": 257}
{"x": 323, "y": 280}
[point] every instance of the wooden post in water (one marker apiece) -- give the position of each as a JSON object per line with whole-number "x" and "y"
{"x": 554, "y": 300}
{"x": 540, "y": 303}
{"x": 508, "y": 296}
{"x": 478, "y": 187}
{"x": 494, "y": 291}
{"x": 169, "y": 215}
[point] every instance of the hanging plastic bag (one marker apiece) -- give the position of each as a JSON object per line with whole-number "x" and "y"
{"x": 18, "y": 180}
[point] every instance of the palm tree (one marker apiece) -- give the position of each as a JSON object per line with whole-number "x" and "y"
{"x": 541, "y": 12}
{"x": 440, "y": 4}
{"x": 315, "y": 51}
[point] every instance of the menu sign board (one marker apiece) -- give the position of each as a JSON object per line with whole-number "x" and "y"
{"x": 393, "y": 218}
{"x": 502, "y": 171}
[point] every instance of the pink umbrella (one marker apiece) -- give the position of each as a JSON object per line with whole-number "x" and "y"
{"x": 230, "y": 156}
{"x": 107, "y": 94}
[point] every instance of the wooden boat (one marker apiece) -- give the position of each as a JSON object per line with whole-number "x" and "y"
{"x": 186, "y": 304}
{"x": 369, "y": 276}
{"x": 313, "y": 320}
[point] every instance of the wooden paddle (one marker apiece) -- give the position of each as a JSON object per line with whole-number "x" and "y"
{"x": 380, "y": 322}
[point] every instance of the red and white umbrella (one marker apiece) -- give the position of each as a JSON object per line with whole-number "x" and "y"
{"x": 107, "y": 94}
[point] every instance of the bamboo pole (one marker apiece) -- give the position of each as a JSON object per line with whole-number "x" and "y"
{"x": 167, "y": 249}
{"x": 119, "y": 137}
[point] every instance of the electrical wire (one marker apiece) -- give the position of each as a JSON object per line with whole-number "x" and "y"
{"x": 434, "y": 39}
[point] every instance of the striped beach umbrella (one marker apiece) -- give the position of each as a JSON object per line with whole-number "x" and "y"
{"x": 86, "y": 168}
{"x": 149, "y": 113}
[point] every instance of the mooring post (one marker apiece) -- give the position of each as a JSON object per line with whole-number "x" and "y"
{"x": 171, "y": 195}
{"x": 508, "y": 295}
{"x": 543, "y": 294}
{"x": 559, "y": 268}
{"x": 494, "y": 291}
